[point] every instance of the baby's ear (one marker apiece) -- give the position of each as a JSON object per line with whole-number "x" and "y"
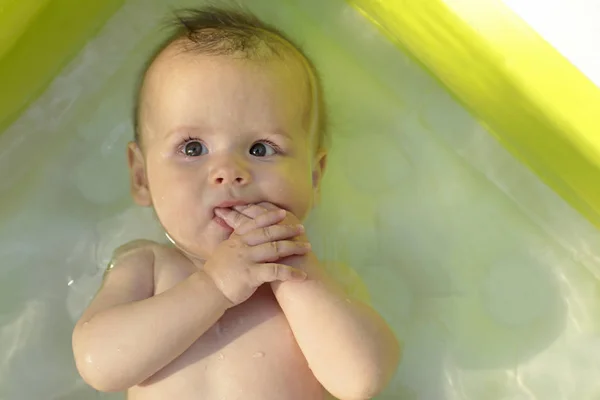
{"x": 137, "y": 174}
{"x": 319, "y": 165}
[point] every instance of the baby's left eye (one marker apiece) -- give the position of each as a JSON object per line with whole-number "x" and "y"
{"x": 262, "y": 149}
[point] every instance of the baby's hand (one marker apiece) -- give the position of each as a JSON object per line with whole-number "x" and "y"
{"x": 248, "y": 258}
{"x": 254, "y": 211}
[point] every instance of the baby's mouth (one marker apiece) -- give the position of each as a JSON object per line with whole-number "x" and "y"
{"x": 231, "y": 203}
{"x": 220, "y": 221}
{"x": 227, "y": 206}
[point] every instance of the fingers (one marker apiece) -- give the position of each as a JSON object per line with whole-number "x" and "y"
{"x": 251, "y": 210}
{"x": 232, "y": 218}
{"x": 262, "y": 221}
{"x": 243, "y": 224}
{"x": 272, "y": 233}
{"x": 276, "y": 250}
{"x": 268, "y": 206}
{"x": 277, "y": 272}
{"x": 254, "y": 210}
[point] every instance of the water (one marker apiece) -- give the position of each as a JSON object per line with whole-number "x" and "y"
{"x": 489, "y": 279}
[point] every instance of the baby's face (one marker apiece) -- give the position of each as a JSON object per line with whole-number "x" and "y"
{"x": 219, "y": 131}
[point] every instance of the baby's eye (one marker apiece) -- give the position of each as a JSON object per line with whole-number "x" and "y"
{"x": 262, "y": 149}
{"x": 194, "y": 148}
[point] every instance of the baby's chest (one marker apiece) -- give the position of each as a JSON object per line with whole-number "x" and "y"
{"x": 254, "y": 321}
{"x": 250, "y": 341}
{"x": 254, "y": 329}
{"x": 251, "y": 349}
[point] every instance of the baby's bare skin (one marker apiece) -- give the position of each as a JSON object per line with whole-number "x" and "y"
{"x": 230, "y": 162}
{"x": 166, "y": 325}
{"x": 187, "y": 338}
{"x": 249, "y": 354}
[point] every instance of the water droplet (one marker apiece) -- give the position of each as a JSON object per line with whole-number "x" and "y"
{"x": 70, "y": 282}
{"x": 170, "y": 239}
{"x": 260, "y": 354}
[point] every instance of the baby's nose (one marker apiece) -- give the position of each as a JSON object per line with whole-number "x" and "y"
{"x": 230, "y": 174}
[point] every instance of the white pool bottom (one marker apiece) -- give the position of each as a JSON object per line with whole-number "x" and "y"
{"x": 488, "y": 278}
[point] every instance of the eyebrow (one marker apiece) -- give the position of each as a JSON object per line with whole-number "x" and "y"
{"x": 280, "y": 132}
{"x": 189, "y": 129}
{"x": 184, "y": 129}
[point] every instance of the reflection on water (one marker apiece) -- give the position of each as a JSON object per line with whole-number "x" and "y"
{"x": 489, "y": 280}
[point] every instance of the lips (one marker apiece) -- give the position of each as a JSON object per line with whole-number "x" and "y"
{"x": 230, "y": 204}
{"x": 226, "y": 204}
{"x": 221, "y": 222}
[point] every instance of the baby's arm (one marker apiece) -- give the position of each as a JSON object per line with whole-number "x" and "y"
{"x": 127, "y": 334}
{"x": 348, "y": 346}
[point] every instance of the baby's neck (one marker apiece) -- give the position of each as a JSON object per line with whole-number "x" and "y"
{"x": 198, "y": 262}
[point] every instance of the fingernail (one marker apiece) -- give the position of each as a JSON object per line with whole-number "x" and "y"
{"x": 296, "y": 273}
{"x": 282, "y": 213}
{"x": 307, "y": 245}
{"x": 300, "y": 228}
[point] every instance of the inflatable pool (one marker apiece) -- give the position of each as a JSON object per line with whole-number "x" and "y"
{"x": 462, "y": 187}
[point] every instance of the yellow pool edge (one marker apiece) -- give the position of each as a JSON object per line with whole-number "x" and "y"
{"x": 536, "y": 103}
{"x": 528, "y": 95}
{"x": 38, "y": 42}
{"x": 15, "y": 17}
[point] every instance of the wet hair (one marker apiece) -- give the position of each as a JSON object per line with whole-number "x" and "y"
{"x": 220, "y": 31}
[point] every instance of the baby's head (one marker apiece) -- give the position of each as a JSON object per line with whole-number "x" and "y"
{"x": 229, "y": 111}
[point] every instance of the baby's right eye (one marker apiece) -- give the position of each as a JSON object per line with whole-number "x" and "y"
{"x": 194, "y": 148}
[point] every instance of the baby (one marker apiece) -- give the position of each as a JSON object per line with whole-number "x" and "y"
{"x": 229, "y": 152}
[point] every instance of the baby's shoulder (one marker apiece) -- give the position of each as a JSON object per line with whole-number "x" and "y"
{"x": 135, "y": 254}
{"x": 142, "y": 257}
{"x": 142, "y": 251}
{"x": 146, "y": 246}
{"x": 135, "y": 246}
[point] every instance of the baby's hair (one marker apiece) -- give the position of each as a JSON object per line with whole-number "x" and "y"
{"x": 218, "y": 31}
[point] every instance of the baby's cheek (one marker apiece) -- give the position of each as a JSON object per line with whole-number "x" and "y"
{"x": 172, "y": 187}
{"x": 294, "y": 193}
{"x": 175, "y": 206}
